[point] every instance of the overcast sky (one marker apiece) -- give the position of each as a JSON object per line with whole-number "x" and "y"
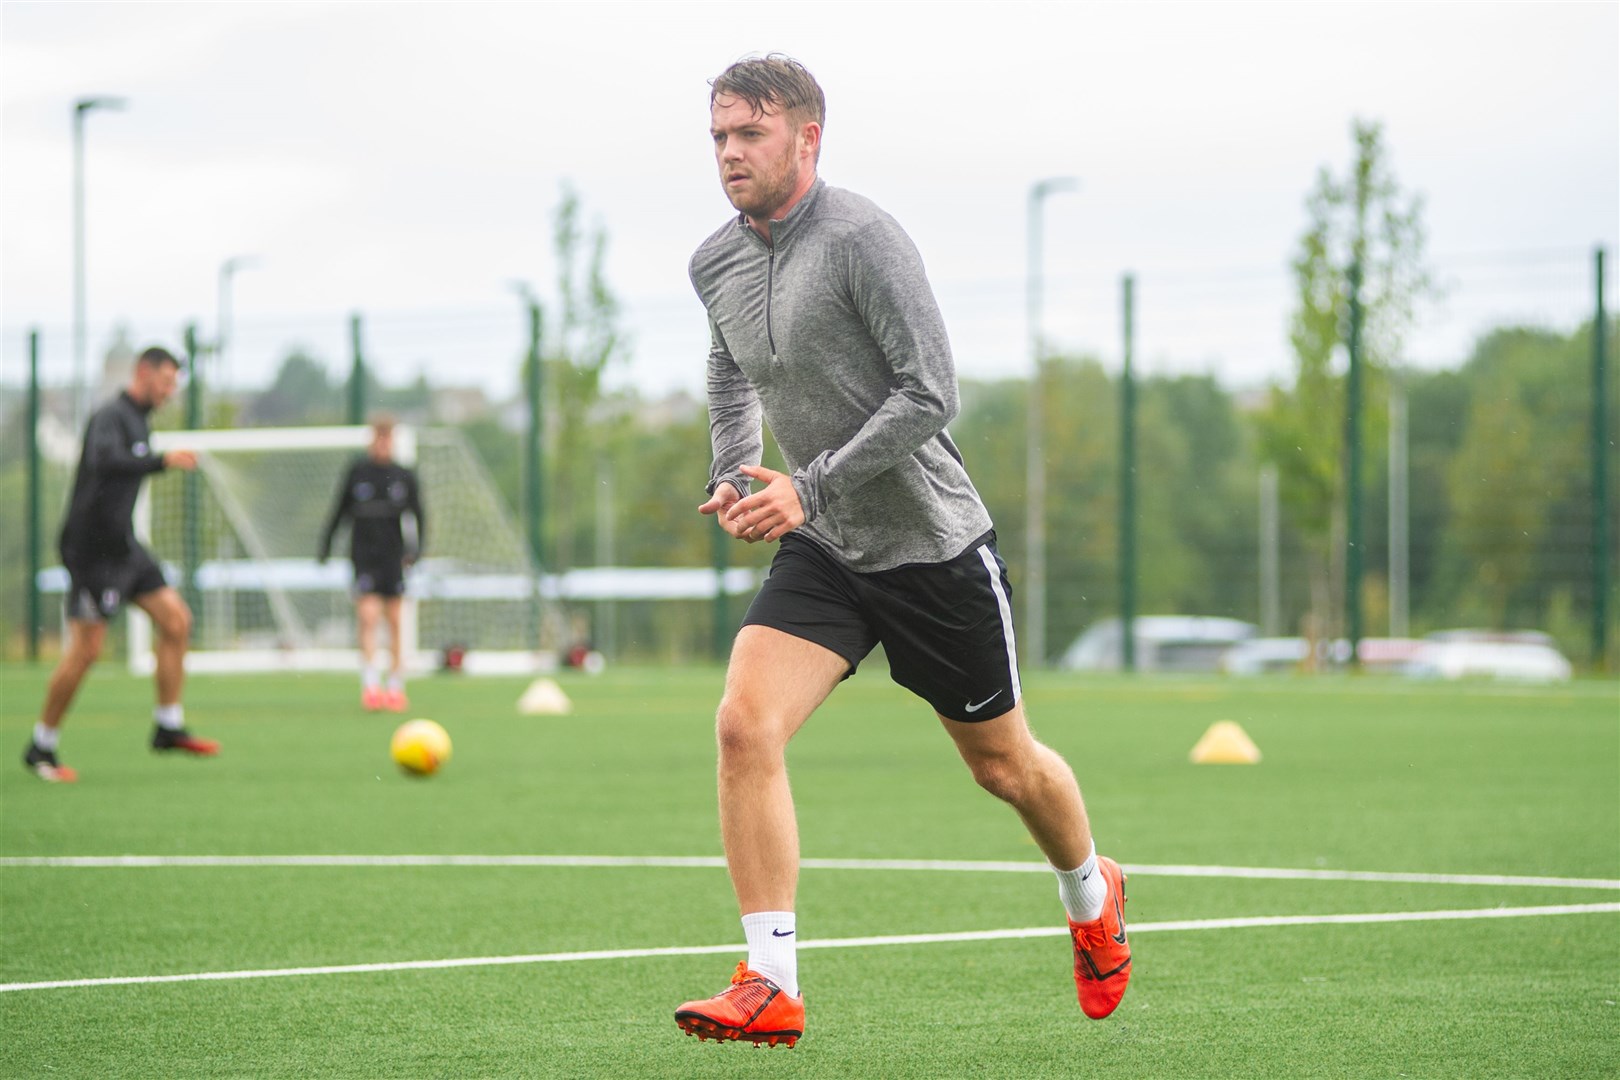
{"x": 403, "y": 160}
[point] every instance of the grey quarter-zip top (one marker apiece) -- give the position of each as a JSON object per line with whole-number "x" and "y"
{"x": 830, "y": 334}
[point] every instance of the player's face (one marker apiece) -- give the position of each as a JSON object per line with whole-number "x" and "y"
{"x": 155, "y": 383}
{"x": 761, "y": 156}
{"x": 382, "y": 446}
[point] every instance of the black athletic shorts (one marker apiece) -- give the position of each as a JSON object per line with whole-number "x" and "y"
{"x": 379, "y": 579}
{"x": 947, "y": 628}
{"x": 98, "y": 588}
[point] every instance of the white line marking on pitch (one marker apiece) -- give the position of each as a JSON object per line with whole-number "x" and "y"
{"x": 714, "y": 862}
{"x": 829, "y": 943}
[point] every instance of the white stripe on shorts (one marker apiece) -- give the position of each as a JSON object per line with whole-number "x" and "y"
{"x": 989, "y": 561}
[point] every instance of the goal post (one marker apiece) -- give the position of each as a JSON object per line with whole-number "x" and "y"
{"x": 240, "y": 535}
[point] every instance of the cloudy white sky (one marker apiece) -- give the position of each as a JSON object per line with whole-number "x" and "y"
{"x": 402, "y": 160}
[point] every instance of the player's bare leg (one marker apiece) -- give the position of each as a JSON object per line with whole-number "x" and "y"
{"x": 84, "y": 643}
{"x": 393, "y": 610}
{"x": 171, "y": 619}
{"x": 1008, "y": 762}
{"x": 773, "y": 684}
{"x": 1035, "y": 781}
{"x": 85, "y": 640}
{"x": 368, "y": 609}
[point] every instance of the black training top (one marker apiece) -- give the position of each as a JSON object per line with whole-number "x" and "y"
{"x": 375, "y": 497}
{"x": 117, "y": 454}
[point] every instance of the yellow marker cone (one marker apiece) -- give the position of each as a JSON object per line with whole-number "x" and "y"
{"x": 1225, "y": 744}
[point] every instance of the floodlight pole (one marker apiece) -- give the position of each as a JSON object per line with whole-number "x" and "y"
{"x": 81, "y": 386}
{"x": 1035, "y": 465}
{"x": 1127, "y": 482}
{"x": 222, "y": 330}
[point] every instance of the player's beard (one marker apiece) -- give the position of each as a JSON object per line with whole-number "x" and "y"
{"x": 770, "y": 189}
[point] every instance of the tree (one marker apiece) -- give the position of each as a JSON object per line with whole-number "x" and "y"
{"x": 583, "y": 342}
{"x": 1514, "y": 551}
{"x": 1365, "y": 221}
{"x": 299, "y": 394}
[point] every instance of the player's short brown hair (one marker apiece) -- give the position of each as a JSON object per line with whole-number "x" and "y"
{"x": 382, "y": 422}
{"x": 156, "y": 356}
{"x": 774, "y": 83}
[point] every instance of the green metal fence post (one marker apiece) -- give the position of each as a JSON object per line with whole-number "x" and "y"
{"x": 357, "y": 374}
{"x": 533, "y": 471}
{"x": 1127, "y": 487}
{"x": 1600, "y": 476}
{"x": 723, "y": 630}
{"x": 35, "y": 499}
{"x": 1352, "y": 477}
{"x": 191, "y": 539}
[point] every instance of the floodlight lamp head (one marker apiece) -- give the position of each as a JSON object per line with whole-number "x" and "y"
{"x": 84, "y": 105}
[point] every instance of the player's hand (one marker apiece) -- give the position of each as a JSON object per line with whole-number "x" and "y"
{"x": 179, "y": 459}
{"x": 769, "y": 514}
{"x": 725, "y": 494}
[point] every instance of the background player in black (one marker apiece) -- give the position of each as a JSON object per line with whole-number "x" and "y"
{"x": 106, "y": 565}
{"x": 377, "y": 492}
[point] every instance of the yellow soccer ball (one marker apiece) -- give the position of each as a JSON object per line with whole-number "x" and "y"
{"x": 420, "y": 747}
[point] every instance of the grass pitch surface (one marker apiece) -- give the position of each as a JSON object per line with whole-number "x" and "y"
{"x": 1426, "y": 781}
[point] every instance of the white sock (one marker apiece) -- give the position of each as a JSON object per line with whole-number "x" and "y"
{"x": 1083, "y": 889}
{"x": 45, "y": 738}
{"x": 370, "y": 677}
{"x": 396, "y": 683}
{"x": 170, "y": 717}
{"x": 773, "y": 948}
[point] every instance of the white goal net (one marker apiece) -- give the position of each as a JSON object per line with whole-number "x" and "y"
{"x": 239, "y": 539}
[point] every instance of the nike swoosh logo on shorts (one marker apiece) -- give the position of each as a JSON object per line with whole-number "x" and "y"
{"x": 986, "y": 701}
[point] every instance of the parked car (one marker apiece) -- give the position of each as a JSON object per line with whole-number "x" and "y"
{"x": 1163, "y": 643}
{"x": 1259, "y": 656}
{"x": 1519, "y": 654}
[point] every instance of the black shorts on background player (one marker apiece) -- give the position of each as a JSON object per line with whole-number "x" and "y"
{"x": 96, "y": 590}
{"x": 379, "y": 579}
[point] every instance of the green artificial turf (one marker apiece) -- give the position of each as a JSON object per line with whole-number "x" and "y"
{"x": 1357, "y": 775}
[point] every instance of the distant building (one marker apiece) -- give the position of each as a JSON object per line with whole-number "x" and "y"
{"x": 459, "y": 405}
{"x": 115, "y": 367}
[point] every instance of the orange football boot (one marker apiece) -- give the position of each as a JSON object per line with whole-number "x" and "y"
{"x": 395, "y": 701}
{"x": 1102, "y": 956}
{"x": 373, "y": 699}
{"x": 751, "y": 1008}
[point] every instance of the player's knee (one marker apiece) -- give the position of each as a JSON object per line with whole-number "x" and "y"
{"x": 742, "y": 728}
{"x": 86, "y": 651}
{"x": 176, "y": 624}
{"x": 1004, "y": 777}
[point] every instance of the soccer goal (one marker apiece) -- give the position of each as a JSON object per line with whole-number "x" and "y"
{"x": 239, "y": 539}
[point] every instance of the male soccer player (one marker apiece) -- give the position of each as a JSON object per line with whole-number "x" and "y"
{"x": 377, "y": 492}
{"x": 823, "y": 323}
{"x": 106, "y": 565}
